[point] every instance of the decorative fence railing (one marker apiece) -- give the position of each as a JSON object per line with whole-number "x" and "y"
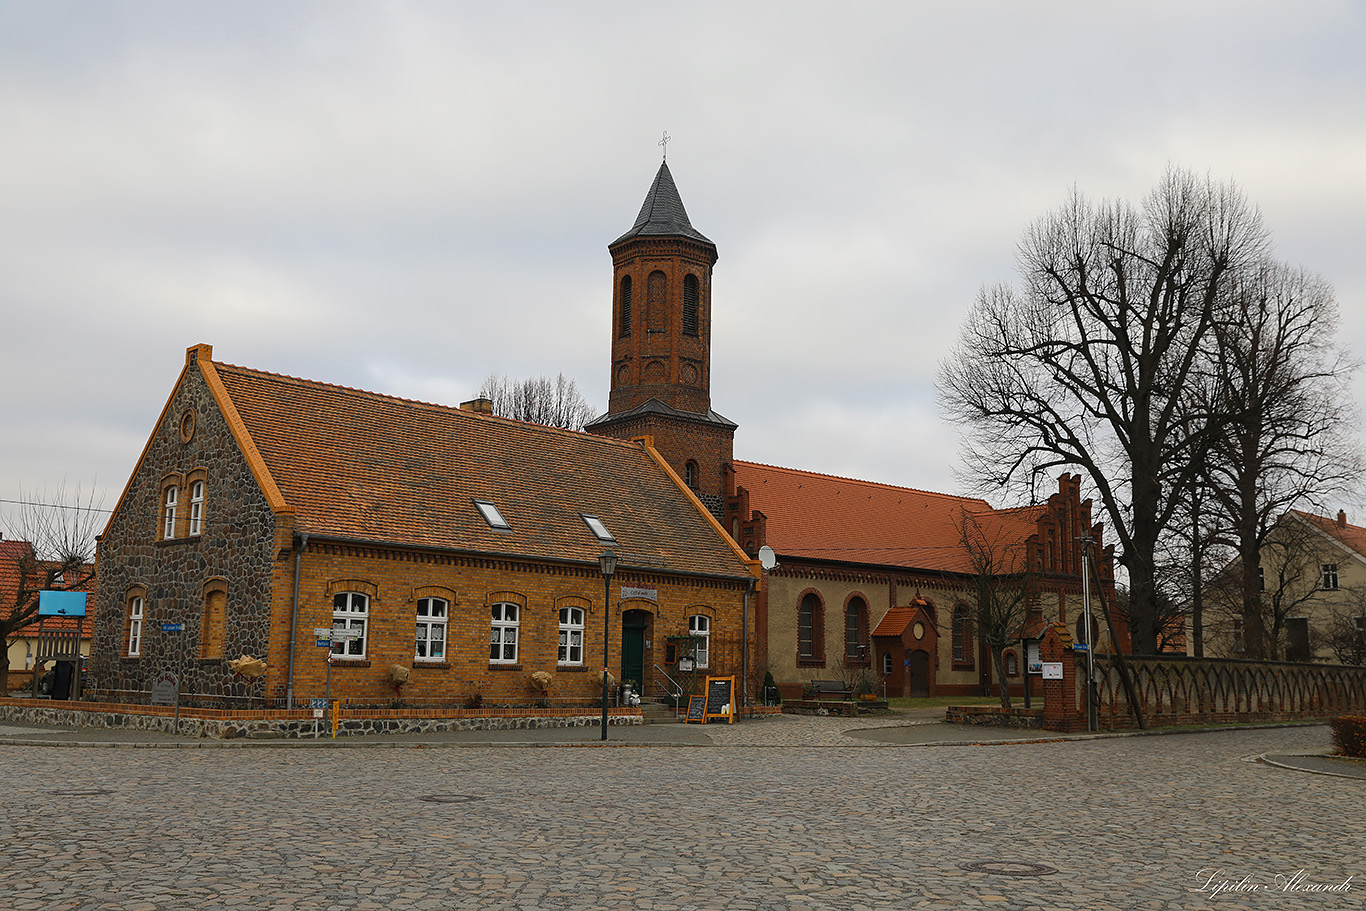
{"x": 1179, "y": 690}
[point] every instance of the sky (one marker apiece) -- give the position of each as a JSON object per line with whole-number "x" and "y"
{"x": 409, "y": 197}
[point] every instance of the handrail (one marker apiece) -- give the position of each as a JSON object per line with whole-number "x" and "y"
{"x": 676, "y": 692}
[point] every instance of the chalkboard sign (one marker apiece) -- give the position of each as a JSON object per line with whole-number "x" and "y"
{"x": 697, "y": 707}
{"x": 721, "y": 698}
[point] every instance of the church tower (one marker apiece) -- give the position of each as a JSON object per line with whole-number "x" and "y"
{"x": 661, "y": 343}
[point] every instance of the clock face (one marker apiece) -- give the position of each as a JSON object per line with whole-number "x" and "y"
{"x": 918, "y": 630}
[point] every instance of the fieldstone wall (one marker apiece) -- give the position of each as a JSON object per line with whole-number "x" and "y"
{"x": 234, "y": 548}
{"x": 995, "y": 716}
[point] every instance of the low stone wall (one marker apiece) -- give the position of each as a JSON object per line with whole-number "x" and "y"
{"x": 995, "y": 716}
{"x": 222, "y": 724}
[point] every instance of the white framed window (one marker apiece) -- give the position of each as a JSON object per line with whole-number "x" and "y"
{"x": 431, "y": 629}
{"x": 196, "y": 507}
{"x": 699, "y": 625}
{"x": 350, "y": 611}
{"x": 599, "y": 530}
{"x": 503, "y": 633}
{"x": 571, "y": 635}
{"x": 887, "y": 664}
{"x": 135, "y": 607}
{"x": 1330, "y": 577}
{"x": 169, "y": 509}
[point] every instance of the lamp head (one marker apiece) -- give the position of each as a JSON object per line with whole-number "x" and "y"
{"x": 607, "y": 562}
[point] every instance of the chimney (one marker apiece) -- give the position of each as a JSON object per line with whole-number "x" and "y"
{"x": 1342, "y": 519}
{"x": 478, "y": 406}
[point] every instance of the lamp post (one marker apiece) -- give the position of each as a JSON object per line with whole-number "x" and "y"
{"x": 607, "y": 562}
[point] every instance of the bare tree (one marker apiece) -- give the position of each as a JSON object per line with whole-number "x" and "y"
{"x": 1284, "y": 380}
{"x": 538, "y": 400}
{"x": 1002, "y": 585}
{"x": 52, "y": 548}
{"x": 1091, "y": 361}
{"x": 1346, "y": 632}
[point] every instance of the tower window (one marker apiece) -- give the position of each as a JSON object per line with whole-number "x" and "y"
{"x": 690, "y": 474}
{"x": 625, "y": 329}
{"x": 690, "y": 305}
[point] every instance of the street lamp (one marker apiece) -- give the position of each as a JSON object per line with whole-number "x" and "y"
{"x": 607, "y": 562}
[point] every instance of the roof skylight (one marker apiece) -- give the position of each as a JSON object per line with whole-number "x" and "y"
{"x": 492, "y": 515}
{"x": 597, "y": 528}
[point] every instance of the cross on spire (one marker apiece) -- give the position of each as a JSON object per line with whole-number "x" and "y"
{"x": 664, "y": 144}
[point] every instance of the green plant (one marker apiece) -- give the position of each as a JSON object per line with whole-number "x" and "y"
{"x": 771, "y": 688}
{"x": 1349, "y": 735}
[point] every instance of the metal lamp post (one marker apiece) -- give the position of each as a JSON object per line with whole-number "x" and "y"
{"x": 607, "y": 562}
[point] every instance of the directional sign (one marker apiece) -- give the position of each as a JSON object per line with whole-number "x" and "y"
{"x": 344, "y": 635}
{"x": 322, "y": 632}
{"x": 173, "y": 627}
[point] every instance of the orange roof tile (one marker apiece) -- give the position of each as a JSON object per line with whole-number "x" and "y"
{"x": 1353, "y": 536}
{"x": 366, "y": 466}
{"x": 824, "y": 517}
{"x": 893, "y": 623}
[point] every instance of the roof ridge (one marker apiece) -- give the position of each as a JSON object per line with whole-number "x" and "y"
{"x": 836, "y": 477}
{"x": 452, "y": 409}
{"x": 1329, "y": 520}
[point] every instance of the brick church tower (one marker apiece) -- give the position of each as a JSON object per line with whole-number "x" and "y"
{"x": 661, "y": 344}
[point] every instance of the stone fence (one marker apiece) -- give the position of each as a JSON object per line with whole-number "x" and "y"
{"x": 1175, "y": 690}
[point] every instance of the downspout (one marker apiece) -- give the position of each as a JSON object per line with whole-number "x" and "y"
{"x": 300, "y": 542}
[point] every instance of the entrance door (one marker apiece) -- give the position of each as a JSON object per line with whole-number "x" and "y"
{"x": 919, "y": 673}
{"x": 633, "y": 626}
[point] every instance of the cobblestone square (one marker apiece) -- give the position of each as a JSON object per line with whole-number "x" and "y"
{"x": 740, "y": 820}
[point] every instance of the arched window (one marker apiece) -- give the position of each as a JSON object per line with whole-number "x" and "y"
{"x": 654, "y": 302}
{"x": 855, "y": 622}
{"x": 699, "y": 626}
{"x": 213, "y": 622}
{"x": 690, "y": 305}
{"x": 350, "y": 611}
{"x": 1012, "y": 665}
{"x": 169, "y": 511}
{"x": 134, "y": 624}
{"x": 625, "y": 328}
{"x": 962, "y": 636}
{"x": 886, "y": 664}
{"x": 196, "y": 507}
{"x": 690, "y": 474}
{"x": 571, "y": 635}
{"x": 810, "y": 618}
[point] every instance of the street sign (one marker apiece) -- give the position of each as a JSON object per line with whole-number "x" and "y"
{"x": 322, "y": 632}
{"x": 173, "y": 627}
{"x": 317, "y": 713}
{"x": 323, "y": 643}
{"x": 1079, "y": 646}
{"x": 344, "y": 635}
{"x": 317, "y": 703}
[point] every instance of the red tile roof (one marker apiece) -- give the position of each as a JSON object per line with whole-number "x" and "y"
{"x": 824, "y": 517}
{"x": 11, "y": 552}
{"x": 1354, "y": 536}
{"x": 361, "y": 465}
{"x": 893, "y": 623}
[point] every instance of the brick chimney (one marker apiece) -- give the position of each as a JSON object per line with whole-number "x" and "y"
{"x": 1342, "y": 519}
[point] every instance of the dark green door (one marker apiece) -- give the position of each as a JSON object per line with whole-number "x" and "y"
{"x": 633, "y": 626}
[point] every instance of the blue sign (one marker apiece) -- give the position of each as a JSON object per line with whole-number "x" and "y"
{"x": 61, "y": 604}
{"x": 173, "y": 627}
{"x": 1079, "y": 646}
{"x": 323, "y": 643}
{"x": 317, "y": 703}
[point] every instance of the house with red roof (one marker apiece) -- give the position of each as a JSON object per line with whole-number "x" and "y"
{"x": 22, "y": 577}
{"x": 1313, "y": 595}
{"x": 373, "y": 547}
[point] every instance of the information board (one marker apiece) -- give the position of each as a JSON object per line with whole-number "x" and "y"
{"x": 1052, "y": 670}
{"x": 697, "y": 707}
{"x": 721, "y": 698}
{"x": 166, "y": 689}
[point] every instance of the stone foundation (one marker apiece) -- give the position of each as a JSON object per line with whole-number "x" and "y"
{"x": 995, "y": 716}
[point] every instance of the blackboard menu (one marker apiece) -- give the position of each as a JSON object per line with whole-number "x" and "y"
{"x": 697, "y": 707}
{"x": 721, "y": 698}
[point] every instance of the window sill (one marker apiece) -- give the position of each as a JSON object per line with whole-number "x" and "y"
{"x": 422, "y": 664}
{"x": 810, "y": 662}
{"x": 187, "y": 539}
{"x": 504, "y": 667}
{"x": 350, "y": 662}
{"x": 571, "y": 668}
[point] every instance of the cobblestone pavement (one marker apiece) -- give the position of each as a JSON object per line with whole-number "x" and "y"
{"x": 1127, "y": 823}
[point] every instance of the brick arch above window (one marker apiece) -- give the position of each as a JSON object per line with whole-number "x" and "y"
{"x": 369, "y": 589}
{"x": 433, "y": 591}
{"x": 505, "y": 597}
{"x": 582, "y": 603}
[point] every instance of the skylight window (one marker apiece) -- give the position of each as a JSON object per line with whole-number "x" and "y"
{"x": 492, "y": 515}
{"x": 597, "y": 528}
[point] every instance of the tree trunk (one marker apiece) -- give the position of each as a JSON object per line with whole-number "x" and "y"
{"x": 998, "y": 660}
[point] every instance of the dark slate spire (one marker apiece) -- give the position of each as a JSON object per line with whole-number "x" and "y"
{"x": 662, "y": 213}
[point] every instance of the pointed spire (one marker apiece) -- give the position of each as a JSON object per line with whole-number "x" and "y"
{"x": 662, "y": 213}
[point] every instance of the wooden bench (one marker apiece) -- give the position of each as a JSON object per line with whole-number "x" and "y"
{"x": 822, "y": 688}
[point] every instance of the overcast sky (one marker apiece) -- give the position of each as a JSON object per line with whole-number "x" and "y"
{"x": 407, "y": 197}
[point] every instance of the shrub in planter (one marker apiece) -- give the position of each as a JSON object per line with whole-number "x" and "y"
{"x": 1349, "y": 735}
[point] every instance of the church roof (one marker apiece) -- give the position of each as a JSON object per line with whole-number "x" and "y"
{"x": 824, "y": 517}
{"x": 662, "y": 214}
{"x": 656, "y": 407}
{"x": 364, "y": 466}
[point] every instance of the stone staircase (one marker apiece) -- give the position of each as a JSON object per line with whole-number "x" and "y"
{"x": 653, "y": 712}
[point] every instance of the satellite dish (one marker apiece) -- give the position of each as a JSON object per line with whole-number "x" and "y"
{"x": 767, "y": 558}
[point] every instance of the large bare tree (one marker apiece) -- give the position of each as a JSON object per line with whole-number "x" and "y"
{"x": 1089, "y": 362}
{"x": 1002, "y": 585}
{"x": 538, "y": 400}
{"x": 1284, "y": 379}
{"x": 52, "y": 548}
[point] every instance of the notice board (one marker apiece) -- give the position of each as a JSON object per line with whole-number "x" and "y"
{"x": 721, "y": 698}
{"x": 697, "y": 708}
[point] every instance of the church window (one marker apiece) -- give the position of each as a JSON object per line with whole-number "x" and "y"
{"x": 654, "y": 302}
{"x": 1012, "y": 665}
{"x": 855, "y": 622}
{"x": 886, "y": 664}
{"x": 809, "y": 621}
{"x": 690, "y": 474}
{"x": 690, "y": 305}
{"x": 962, "y": 636}
{"x": 625, "y": 328}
